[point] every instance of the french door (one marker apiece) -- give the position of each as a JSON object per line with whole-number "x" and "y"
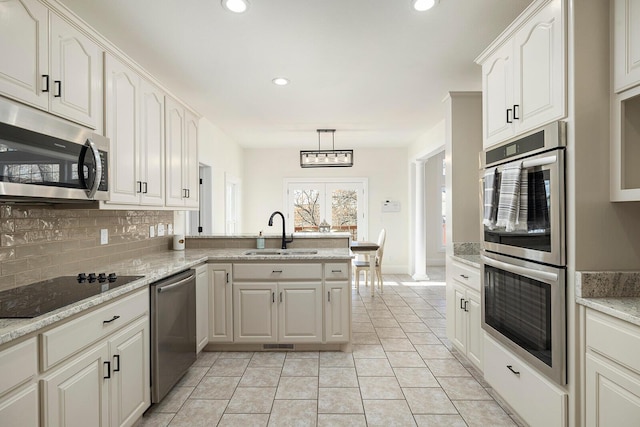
{"x": 339, "y": 203}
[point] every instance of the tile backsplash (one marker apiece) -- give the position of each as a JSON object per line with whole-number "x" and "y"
{"x": 38, "y": 243}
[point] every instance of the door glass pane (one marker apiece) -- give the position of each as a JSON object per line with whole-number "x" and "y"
{"x": 306, "y": 210}
{"x": 344, "y": 211}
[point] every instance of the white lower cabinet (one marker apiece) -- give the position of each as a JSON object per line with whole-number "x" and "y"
{"x": 291, "y": 303}
{"x": 129, "y": 387}
{"x": 19, "y": 403}
{"x": 612, "y": 371}
{"x": 106, "y": 383}
{"x": 464, "y": 315}
{"x": 255, "y": 313}
{"x": 202, "y": 306}
{"x": 337, "y": 312}
{"x": 220, "y": 303}
{"x": 535, "y": 399}
{"x": 77, "y": 394}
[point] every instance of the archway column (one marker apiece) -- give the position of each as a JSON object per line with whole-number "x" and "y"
{"x": 420, "y": 237}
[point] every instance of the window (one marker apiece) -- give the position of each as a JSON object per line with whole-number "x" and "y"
{"x": 232, "y": 204}
{"x": 341, "y": 203}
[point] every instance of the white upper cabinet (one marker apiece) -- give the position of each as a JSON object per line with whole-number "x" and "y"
{"x": 75, "y": 75}
{"x": 524, "y": 73}
{"x": 181, "y": 147}
{"x": 53, "y": 65}
{"x": 134, "y": 122}
{"x": 24, "y": 32}
{"x": 626, "y": 42}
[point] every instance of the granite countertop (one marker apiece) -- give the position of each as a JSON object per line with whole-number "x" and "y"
{"x": 155, "y": 267}
{"x": 472, "y": 260}
{"x": 616, "y": 293}
{"x": 299, "y": 234}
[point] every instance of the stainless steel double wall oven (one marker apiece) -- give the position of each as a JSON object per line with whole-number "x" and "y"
{"x": 523, "y": 247}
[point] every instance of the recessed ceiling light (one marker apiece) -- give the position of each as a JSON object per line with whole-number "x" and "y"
{"x": 280, "y": 81}
{"x": 422, "y": 5}
{"x": 237, "y": 6}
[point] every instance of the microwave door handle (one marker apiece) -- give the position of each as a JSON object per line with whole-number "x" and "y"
{"x": 544, "y": 276}
{"x": 98, "y": 173}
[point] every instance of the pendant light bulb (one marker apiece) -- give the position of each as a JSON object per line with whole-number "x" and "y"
{"x": 236, "y": 6}
{"x": 422, "y": 5}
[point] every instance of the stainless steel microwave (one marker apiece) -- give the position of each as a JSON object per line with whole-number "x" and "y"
{"x": 46, "y": 159}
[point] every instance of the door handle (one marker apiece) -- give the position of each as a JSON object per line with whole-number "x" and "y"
{"x": 46, "y": 83}
{"x": 108, "y": 370}
{"x": 280, "y": 296}
{"x": 329, "y": 296}
{"x": 465, "y": 305}
{"x": 227, "y": 277}
{"x": 464, "y": 276}
{"x": 273, "y": 297}
{"x": 58, "y": 84}
{"x": 509, "y": 120}
{"x": 145, "y": 187}
{"x": 462, "y": 302}
{"x": 510, "y": 367}
{"x": 110, "y": 320}
{"x": 516, "y": 116}
{"x": 139, "y": 186}
{"x": 116, "y": 358}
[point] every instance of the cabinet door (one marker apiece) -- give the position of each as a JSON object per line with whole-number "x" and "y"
{"x": 21, "y": 408}
{"x": 255, "y": 313}
{"x": 300, "y": 312}
{"x": 24, "y": 32}
{"x": 497, "y": 89}
{"x": 130, "y": 385}
{"x": 626, "y": 44}
{"x": 151, "y": 144}
{"x": 174, "y": 138}
{"x": 460, "y": 319}
{"x": 540, "y": 70}
{"x": 475, "y": 334}
{"x": 76, "y": 74}
{"x": 202, "y": 307}
{"x": 612, "y": 394}
{"x": 337, "y": 319}
{"x": 190, "y": 163}
{"x": 122, "y": 87}
{"x": 220, "y": 303}
{"x": 77, "y": 394}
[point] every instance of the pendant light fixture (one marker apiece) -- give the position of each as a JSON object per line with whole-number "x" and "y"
{"x": 326, "y": 158}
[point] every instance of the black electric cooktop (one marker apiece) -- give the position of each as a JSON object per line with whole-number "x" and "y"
{"x": 42, "y": 297}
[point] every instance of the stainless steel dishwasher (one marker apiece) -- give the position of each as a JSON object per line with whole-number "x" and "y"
{"x": 173, "y": 331}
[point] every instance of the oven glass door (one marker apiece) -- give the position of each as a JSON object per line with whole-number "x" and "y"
{"x": 523, "y": 307}
{"x": 539, "y": 235}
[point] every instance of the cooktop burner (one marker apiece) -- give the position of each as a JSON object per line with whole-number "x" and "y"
{"x": 42, "y": 297}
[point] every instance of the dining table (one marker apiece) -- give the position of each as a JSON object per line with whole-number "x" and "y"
{"x": 369, "y": 249}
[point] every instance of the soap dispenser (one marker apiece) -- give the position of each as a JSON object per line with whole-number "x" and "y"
{"x": 260, "y": 241}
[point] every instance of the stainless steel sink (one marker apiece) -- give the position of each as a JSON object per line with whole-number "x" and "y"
{"x": 281, "y": 252}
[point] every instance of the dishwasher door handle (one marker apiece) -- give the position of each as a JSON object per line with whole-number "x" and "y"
{"x": 173, "y": 285}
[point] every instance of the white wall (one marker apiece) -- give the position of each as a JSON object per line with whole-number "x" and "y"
{"x": 224, "y": 155}
{"x": 386, "y": 169}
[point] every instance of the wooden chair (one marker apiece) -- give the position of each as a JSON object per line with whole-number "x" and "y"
{"x": 363, "y": 265}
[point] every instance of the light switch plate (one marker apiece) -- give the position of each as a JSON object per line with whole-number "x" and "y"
{"x": 152, "y": 231}
{"x": 104, "y": 236}
{"x": 170, "y": 229}
{"x": 160, "y": 230}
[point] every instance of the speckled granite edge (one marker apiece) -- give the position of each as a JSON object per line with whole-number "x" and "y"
{"x": 466, "y": 248}
{"x": 153, "y": 267}
{"x": 299, "y": 235}
{"x": 626, "y": 308}
{"x": 607, "y": 284}
{"x": 472, "y": 260}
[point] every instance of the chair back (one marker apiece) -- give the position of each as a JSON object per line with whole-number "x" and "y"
{"x": 381, "y": 239}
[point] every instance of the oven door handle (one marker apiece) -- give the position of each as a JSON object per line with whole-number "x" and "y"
{"x": 542, "y": 161}
{"x": 544, "y": 276}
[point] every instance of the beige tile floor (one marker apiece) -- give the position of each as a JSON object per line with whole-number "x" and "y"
{"x": 402, "y": 372}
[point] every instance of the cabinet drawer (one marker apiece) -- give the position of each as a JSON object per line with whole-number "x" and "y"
{"x": 18, "y": 364}
{"x": 63, "y": 341}
{"x": 466, "y": 274}
{"x": 276, "y": 271}
{"x": 544, "y": 404}
{"x": 336, "y": 271}
{"x": 614, "y": 338}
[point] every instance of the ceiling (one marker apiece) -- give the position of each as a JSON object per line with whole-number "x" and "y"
{"x": 374, "y": 70}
